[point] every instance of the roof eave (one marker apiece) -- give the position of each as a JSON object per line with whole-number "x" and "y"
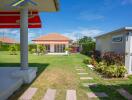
{"x": 56, "y": 5}
{"x": 121, "y": 29}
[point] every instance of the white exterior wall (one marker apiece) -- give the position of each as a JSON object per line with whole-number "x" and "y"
{"x": 128, "y": 53}
{"x": 51, "y": 47}
{"x": 105, "y": 43}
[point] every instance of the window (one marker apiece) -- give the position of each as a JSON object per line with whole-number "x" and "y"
{"x": 59, "y": 48}
{"x": 47, "y": 47}
{"x": 117, "y": 39}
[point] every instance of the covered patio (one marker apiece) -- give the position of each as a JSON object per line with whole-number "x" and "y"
{"x": 21, "y": 14}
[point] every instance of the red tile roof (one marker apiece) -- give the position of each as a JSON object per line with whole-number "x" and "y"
{"x": 7, "y": 40}
{"x": 52, "y": 37}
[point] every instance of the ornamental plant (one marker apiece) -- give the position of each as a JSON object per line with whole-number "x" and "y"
{"x": 68, "y": 49}
{"x": 12, "y": 50}
{"x": 87, "y": 61}
{"x": 121, "y": 71}
{"x": 112, "y": 58}
{"x": 101, "y": 67}
{"x": 41, "y": 49}
{"x": 111, "y": 71}
{"x": 33, "y": 51}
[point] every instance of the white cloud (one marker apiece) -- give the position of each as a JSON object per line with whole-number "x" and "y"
{"x": 80, "y": 32}
{"x": 15, "y": 33}
{"x": 5, "y": 30}
{"x": 90, "y": 16}
{"x": 10, "y": 31}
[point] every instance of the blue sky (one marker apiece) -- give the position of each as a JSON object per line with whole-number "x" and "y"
{"x": 78, "y": 18}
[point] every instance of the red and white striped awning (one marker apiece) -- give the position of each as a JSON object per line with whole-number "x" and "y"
{"x": 10, "y": 19}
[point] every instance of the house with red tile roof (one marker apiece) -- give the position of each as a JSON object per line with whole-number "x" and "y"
{"x": 54, "y": 42}
{"x": 7, "y": 40}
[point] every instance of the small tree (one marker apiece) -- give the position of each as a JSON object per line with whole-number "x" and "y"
{"x": 13, "y": 50}
{"x": 68, "y": 49}
{"x": 41, "y": 49}
{"x": 87, "y": 43}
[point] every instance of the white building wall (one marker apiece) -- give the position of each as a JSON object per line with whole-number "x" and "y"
{"x": 128, "y": 53}
{"x": 105, "y": 43}
{"x": 51, "y": 47}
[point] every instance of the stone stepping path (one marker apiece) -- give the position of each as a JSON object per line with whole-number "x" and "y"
{"x": 125, "y": 94}
{"x": 28, "y": 94}
{"x": 89, "y": 85}
{"x": 50, "y": 94}
{"x": 71, "y": 95}
{"x": 96, "y": 94}
{"x": 82, "y": 73}
{"x": 86, "y": 78}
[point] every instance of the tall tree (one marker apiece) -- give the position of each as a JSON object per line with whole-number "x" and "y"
{"x": 87, "y": 44}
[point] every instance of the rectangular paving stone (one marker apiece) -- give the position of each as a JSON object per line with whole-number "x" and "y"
{"x": 86, "y": 78}
{"x": 82, "y": 73}
{"x": 89, "y": 84}
{"x": 71, "y": 95}
{"x": 50, "y": 94}
{"x": 90, "y": 66}
{"x": 28, "y": 94}
{"x": 78, "y": 69}
{"x": 125, "y": 94}
{"x": 96, "y": 94}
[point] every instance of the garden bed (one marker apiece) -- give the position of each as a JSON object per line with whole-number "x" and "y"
{"x": 108, "y": 67}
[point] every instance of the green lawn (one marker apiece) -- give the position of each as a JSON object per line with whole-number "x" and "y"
{"x": 58, "y": 72}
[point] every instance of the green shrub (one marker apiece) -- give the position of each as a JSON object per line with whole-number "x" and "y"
{"x": 100, "y": 67}
{"x": 87, "y": 61}
{"x": 87, "y": 44}
{"x": 111, "y": 71}
{"x": 32, "y": 46}
{"x": 121, "y": 71}
{"x": 93, "y": 62}
{"x": 41, "y": 49}
{"x": 13, "y": 50}
{"x": 33, "y": 51}
{"x": 5, "y": 47}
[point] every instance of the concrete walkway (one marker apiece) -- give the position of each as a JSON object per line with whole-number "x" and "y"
{"x": 50, "y": 94}
{"x": 125, "y": 94}
{"x": 28, "y": 94}
{"x": 8, "y": 85}
{"x": 71, "y": 95}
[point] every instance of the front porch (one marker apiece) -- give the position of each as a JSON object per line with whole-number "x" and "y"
{"x": 55, "y": 48}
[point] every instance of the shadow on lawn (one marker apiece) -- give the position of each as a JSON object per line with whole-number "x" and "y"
{"x": 111, "y": 91}
{"x": 41, "y": 67}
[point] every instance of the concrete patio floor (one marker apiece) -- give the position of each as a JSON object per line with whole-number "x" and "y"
{"x": 8, "y": 84}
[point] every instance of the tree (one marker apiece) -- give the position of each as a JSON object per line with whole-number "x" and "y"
{"x": 13, "y": 49}
{"x": 87, "y": 43}
{"x": 41, "y": 49}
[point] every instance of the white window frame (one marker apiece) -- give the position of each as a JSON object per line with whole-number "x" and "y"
{"x": 117, "y": 37}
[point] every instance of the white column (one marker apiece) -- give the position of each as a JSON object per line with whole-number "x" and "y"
{"x": 24, "y": 37}
{"x": 128, "y": 55}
